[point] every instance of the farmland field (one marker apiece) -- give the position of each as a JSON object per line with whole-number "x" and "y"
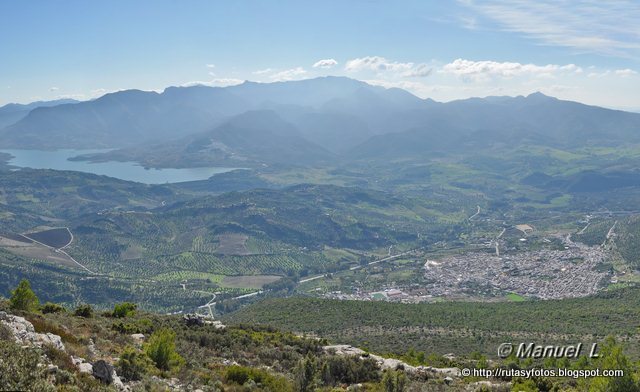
{"x": 254, "y": 281}
{"x": 56, "y": 238}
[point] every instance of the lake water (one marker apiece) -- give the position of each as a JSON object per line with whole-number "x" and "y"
{"x": 129, "y": 171}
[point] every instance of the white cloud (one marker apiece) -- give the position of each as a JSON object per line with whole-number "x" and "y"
{"x": 381, "y": 65}
{"x": 211, "y": 66}
{"x": 219, "y": 82}
{"x": 625, "y": 72}
{"x": 618, "y": 72}
{"x": 262, "y": 71}
{"x": 78, "y": 97}
{"x": 483, "y": 70}
{"x": 604, "y": 27}
{"x": 288, "y": 74}
{"x": 325, "y": 63}
{"x": 599, "y": 74}
{"x": 419, "y": 71}
{"x": 98, "y": 92}
{"x": 54, "y": 89}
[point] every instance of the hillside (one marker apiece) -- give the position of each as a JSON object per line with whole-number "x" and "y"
{"x": 504, "y": 123}
{"x": 14, "y": 112}
{"x": 457, "y": 327}
{"x": 46, "y": 347}
{"x": 310, "y": 122}
{"x": 52, "y": 194}
{"x": 133, "y": 117}
{"x": 251, "y": 139}
{"x": 252, "y": 232}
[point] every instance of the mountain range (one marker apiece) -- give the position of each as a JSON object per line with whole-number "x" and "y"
{"x": 305, "y": 122}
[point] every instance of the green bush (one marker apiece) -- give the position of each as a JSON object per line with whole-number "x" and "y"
{"x": 241, "y": 375}
{"x": 23, "y": 298}
{"x": 5, "y": 333}
{"x": 133, "y": 364}
{"x": 50, "y": 307}
{"x": 138, "y": 326}
{"x": 161, "y": 349}
{"x": 19, "y": 370}
{"x": 85, "y": 311}
{"x": 124, "y": 309}
{"x": 394, "y": 381}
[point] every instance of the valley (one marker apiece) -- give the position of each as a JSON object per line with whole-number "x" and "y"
{"x": 474, "y": 229}
{"x": 320, "y": 196}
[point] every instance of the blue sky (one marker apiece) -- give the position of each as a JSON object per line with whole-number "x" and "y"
{"x": 587, "y": 51}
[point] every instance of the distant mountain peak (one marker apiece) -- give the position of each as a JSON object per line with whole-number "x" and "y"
{"x": 539, "y": 95}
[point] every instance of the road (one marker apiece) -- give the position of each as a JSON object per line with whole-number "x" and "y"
{"x": 211, "y": 303}
{"x": 476, "y": 214}
{"x": 610, "y": 233}
{"x": 360, "y": 266}
{"x": 584, "y": 228}
{"x": 60, "y": 250}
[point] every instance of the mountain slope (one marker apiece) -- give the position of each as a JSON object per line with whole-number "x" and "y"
{"x": 497, "y": 122}
{"x": 133, "y": 117}
{"x": 254, "y": 138}
{"x": 13, "y": 112}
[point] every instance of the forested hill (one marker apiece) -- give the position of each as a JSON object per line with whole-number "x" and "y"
{"x": 452, "y": 326}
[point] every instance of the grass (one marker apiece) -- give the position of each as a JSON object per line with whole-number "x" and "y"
{"x": 513, "y": 297}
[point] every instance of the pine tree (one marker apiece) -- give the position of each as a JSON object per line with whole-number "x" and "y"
{"x": 23, "y": 298}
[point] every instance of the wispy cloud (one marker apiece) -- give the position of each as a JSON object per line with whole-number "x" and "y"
{"x": 382, "y": 65}
{"x": 325, "y": 63}
{"x": 625, "y": 72}
{"x": 604, "y": 27}
{"x": 482, "y": 70}
{"x": 289, "y": 74}
{"x": 218, "y": 82}
{"x": 54, "y": 89}
{"x": 262, "y": 71}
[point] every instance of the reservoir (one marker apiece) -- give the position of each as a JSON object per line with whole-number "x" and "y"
{"x": 129, "y": 171}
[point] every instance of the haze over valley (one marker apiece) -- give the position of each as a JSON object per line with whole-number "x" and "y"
{"x": 243, "y": 196}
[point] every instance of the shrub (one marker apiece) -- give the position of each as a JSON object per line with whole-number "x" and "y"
{"x": 42, "y": 325}
{"x": 394, "y": 381}
{"x": 5, "y": 333}
{"x": 19, "y": 370}
{"x": 241, "y": 375}
{"x": 58, "y": 357}
{"x": 161, "y": 349}
{"x": 133, "y": 364}
{"x": 85, "y": 311}
{"x": 23, "y": 298}
{"x": 50, "y": 307}
{"x": 139, "y": 326}
{"x": 124, "y": 309}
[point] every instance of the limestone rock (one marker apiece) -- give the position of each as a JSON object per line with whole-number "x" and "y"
{"x": 24, "y": 333}
{"x": 138, "y": 338}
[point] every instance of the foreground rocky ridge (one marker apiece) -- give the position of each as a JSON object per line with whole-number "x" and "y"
{"x": 85, "y": 350}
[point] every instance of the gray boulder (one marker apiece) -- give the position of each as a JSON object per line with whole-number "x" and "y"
{"x": 103, "y": 371}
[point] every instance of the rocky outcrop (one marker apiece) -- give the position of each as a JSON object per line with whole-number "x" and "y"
{"x": 138, "y": 338}
{"x": 193, "y": 319}
{"x": 82, "y": 365}
{"x": 391, "y": 363}
{"x": 24, "y": 333}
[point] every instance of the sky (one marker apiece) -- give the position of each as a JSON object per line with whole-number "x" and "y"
{"x": 586, "y": 51}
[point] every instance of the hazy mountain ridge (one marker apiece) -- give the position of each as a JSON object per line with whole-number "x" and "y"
{"x": 311, "y": 121}
{"x": 13, "y": 112}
